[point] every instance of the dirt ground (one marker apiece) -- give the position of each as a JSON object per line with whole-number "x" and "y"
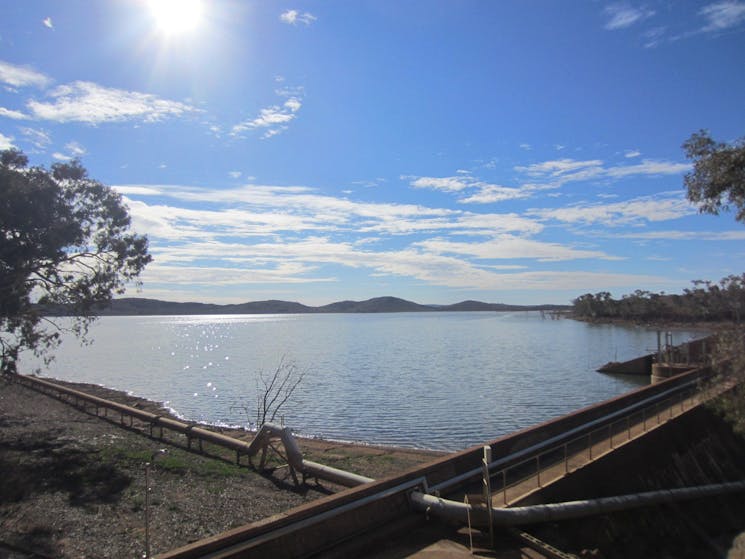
{"x": 74, "y": 484}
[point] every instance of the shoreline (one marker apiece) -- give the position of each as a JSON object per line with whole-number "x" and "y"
{"x": 309, "y": 444}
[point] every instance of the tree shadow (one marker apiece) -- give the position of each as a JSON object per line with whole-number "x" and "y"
{"x": 47, "y": 464}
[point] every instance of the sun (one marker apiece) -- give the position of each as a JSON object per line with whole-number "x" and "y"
{"x": 176, "y": 16}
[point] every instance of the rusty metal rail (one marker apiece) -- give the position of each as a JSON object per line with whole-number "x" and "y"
{"x": 193, "y": 432}
{"x": 127, "y": 414}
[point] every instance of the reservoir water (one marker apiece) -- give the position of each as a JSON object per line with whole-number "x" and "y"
{"x": 430, "y": 380}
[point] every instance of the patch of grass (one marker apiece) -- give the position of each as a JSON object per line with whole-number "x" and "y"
{"x": 174, "y": 461}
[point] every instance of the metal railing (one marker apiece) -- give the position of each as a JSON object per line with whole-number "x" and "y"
{"x": 128, "y": 414}
{"x": 561, "y": 459}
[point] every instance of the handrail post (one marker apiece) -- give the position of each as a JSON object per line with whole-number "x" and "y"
{"x": 487, "y": 490}
{"x": 504, "y": 485}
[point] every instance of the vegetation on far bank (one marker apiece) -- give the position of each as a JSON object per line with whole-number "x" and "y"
{"x": 706, "y": 301}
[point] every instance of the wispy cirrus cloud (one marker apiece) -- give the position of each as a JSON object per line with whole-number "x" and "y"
{"x": 292, "y": 235}
{"x": 647, "y": 209}
{"x": 723, "y": 15}
{"x": 542, "y": 176}
{"x": 562, "y": 171}
{"x": 20, "y": 76}
{"x": 623, "y": 15}
{"x": 11, "y": 113}
{"x": 293, "y": 17}
{"x": 72, "y": 150}
{"x": 513, "y": 247}
{"x": 274, "y": 119}
{"x": 479, "y": 192}
{"x": 674, "y": 235}
{"x": 40, "y": 139}
{"x": 91, "y": 103}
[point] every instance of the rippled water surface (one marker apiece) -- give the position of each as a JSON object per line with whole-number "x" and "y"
{"x": 432, "y": 380}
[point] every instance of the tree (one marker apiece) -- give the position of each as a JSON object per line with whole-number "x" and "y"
{"x": 276, "y": 390}
{"x": 65, "y": 246}
{"x": 717, "y": 181}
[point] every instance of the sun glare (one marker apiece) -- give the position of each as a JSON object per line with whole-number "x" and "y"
{"x": 176, "y": 16}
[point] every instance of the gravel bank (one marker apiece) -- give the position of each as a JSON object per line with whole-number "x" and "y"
{"x": 73, "y": 484}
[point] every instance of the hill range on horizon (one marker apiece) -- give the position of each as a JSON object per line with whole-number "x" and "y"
{"x": 141, "y": 306}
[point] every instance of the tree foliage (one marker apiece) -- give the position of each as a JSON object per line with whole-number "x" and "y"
{"x": 65, "y": 244}
{"x": 706, "y": 301}
{"x": 717, "y": 181}
{"x": 728, "y": 361}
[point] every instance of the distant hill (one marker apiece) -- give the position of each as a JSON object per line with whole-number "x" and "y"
{"x": 479, "y": 306}
{"x": 378, "y": 304}
{"x": 138, "y": 306}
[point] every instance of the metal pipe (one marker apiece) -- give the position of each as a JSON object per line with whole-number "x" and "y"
{"x": 535, "y": 514}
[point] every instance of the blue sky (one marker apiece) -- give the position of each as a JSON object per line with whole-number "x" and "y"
{"x": 506, "y": 151}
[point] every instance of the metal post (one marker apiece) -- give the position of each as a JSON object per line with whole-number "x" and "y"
{"x": 487, "y": 490}
{"x": 147, "y": 500}
{"x": 504, "y": 485}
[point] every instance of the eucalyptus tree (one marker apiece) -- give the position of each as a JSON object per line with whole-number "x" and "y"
{"x": 65, "y": 248}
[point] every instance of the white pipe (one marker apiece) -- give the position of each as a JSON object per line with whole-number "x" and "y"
{"x": 535, "y": 514}
{"x": 342, "y": 477}
{"x": 296, "y": 461}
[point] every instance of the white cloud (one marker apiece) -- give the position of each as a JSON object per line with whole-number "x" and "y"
{"x": 562, "y": 171}
{"x": 662, "y": 207}
{"x": 235, "y": 174}
{"x": 491, "y": 193}
{"x": 138, "y": 190}
{"x": 631, "y": 153}
{"x": 654, "y": 36}
{"x": 75, "y": 149}
{"x": 293, "y": 17}
{"x": 648, "y": 167}
{"x": 557, "y": 167}
{"x": 274, "y": 119}
{"x": 734, "y": 235}
{"x": 94, "y": 104}
{"x": 264, "y": 210}
{"x": 39, "y": 138}
{"x": 622, "y": 15}
{"x": 6, "y": 142}
{"x": 511, "y": 247}
{"x": 446, "y": 184}
{"x": 483, "y": 193}
{"x": 15, "y": 115}
{"x": 19, "y": 76}
{"x": 723, "y": 15}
